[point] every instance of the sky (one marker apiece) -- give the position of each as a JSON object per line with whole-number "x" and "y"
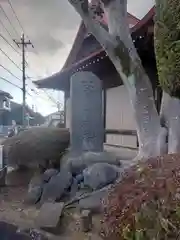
{"x": 51, "y": 25}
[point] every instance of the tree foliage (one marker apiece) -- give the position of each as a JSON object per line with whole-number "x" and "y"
{"x": 167, "y": 45}
{"x": 145, "y": 204}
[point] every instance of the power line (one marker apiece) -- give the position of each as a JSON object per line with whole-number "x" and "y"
{"x": 50, "y": 97}
{"x": 6, "y": 80}
{"x": 13, "y": 84}
{"x": 9, "y": 72}
{"x": 5, "y": 39}
{"x": 2, "y": 9}
{"x": 20, "y": 24}
{"x": 39, "y": 96}
{"x": 9, "y": 44}
{"x": 10, "y": 59}
{"x": 12, "y": 8}
{"x": 1, "y": 22}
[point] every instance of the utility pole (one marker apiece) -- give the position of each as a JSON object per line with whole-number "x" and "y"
{"x": 23, "y": 44}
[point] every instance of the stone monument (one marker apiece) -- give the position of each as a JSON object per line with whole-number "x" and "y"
{"x": 87, "y": 128}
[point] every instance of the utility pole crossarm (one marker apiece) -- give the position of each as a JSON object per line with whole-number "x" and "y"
{"x": 22, "y": 43}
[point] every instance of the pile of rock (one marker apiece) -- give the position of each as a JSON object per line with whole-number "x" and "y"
{"x": 90, "y": 172}
{"x": 82, "y": 182}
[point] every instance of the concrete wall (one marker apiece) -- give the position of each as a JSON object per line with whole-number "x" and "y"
{"x": 118, "y": 116}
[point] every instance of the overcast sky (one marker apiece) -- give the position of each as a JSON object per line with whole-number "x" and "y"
{"x": 51, "y": 25}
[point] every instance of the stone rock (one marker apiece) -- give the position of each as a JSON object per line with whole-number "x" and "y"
{"x": 74, "y": 188}
{"x": 79, "y": 178}
{"x": 86, "y": 220}
{"x": 99, "y": 175}
{"x": 94, "y": 201}
{"x": 87, "y": 131}
{"x": 32, "y": 234}
{"x": 35, "y": 190}
{"x": 56, "y": 187}
{"x": 36, "y": 145}
{"x": 19, "y": 177}
{"x": 8, "y": 232}
{"x": 76, "y": 164}
{"x": 49, "y": 216}
{"x": 49, "y": 173}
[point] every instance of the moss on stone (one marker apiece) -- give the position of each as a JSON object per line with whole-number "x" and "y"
{"x": 167, "y": 45}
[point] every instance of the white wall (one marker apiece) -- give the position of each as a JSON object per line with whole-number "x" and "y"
{"x": 119, "y": 115}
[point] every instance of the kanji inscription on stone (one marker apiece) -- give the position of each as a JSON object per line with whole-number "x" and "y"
{"x": 87, "y": 130}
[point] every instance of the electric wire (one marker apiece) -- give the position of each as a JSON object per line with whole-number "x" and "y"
{"x": 12, "y": 8}
{"x": 5, "y": 39}
{"x": 6, "y": 80}
{"x": 10, "y": 59}
{"x": 1, "y": 22}
{"x": 2, "y": 9}
{"x": 12, "y": 74}
{"x": 37, "y": 53}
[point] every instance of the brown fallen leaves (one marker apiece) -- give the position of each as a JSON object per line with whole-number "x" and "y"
{"x": 146, "y": 204}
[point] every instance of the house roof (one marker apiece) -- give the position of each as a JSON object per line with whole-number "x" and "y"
{"x": 73, "y": 61}
{"x": 82, "y": 34}
{"x": 5, "y": 94}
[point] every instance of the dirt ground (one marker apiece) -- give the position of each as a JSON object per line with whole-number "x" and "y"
{"x": 13, "y": 210}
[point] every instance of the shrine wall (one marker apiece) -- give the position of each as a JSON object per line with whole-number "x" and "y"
{"x": 119, "y": 115}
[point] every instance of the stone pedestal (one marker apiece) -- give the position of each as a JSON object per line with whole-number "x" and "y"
{"x": 87, "y": 130}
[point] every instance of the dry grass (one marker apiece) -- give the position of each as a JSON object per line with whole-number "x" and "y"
{"x": 146, "y": 204}
{"x": 36, "y": 146}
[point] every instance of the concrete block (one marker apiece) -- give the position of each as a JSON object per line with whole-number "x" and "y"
{"x": 49, "y": 217}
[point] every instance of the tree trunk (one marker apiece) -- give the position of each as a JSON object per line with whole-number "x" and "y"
{"x": 170, "y": 114}
{"x": 174, "y": 126}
